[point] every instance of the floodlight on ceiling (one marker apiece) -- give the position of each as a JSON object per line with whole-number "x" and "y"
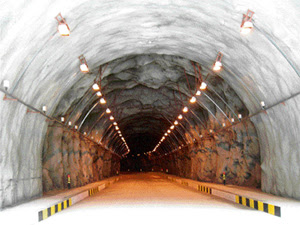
{"x": 193, "y": 99}
{"x": 102, "y": 101}
{"x": 185, "y": 109}
{"x": 218, "y": 64}
{"x": 63, "y": 27}
{"x": 247, "y": 25}
{"x": 83, "y": 65}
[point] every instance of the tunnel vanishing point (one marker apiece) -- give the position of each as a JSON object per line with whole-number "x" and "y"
{"x": 192, "y": 88}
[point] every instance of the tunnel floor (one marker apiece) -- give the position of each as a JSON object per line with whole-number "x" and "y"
{"x": 147, "y": 198}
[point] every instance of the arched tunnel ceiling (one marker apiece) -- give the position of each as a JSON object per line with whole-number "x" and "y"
{"x": 146, "y": 46}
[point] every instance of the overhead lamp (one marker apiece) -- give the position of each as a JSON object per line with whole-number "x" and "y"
{"x": 76, "y": 127}
{"x": 193, "y": 99}
{"x": 115, "y": 123}
{"x": 247, "y": 25}
{"x": 70, "y": 123}
{"x": 116, "y": 127}
{"x": 62, "y": 119}
{"x": 6, "y": 84}
{"x": 166, "y": 134}
{"x": 96, "y": 87}
{"x": 203, "y": 86}
{"x": 169, "y": 131}
{"x": 180, "y": 117}
{"x": 63, "y": 27}
{"x": 102, "y": 101}
{"x": 198, "y": 93}
{"x": 185, "y": 109}
{"x": 44, "y": 109}
{"x": 262, "y": 103}
{"x": 119, "y": 131}
{"x": 232, "y": 120}
{"x": 111, "y": 118}
{"x": 99, "y": 94}
{"x": 83, "y": 64}
{"x": 108, "y": 111}
{"x": 240, "y": 116}
{"x": 176, "y": 122}
{"x": 172, "y": 127}
{"x": 218, "y": 64}
{"x": 123, "y": 139}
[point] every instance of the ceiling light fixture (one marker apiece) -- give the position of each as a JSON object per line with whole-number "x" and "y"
{"x": 176, "y": 122}
{"x": 169, "y": 131}
{"x": 63, "y": 27}
{"x": 116, "y": 127}
{"x": 83, "y": 65}
{"x": 6, "y": 84}
{"x": 96, "y": 87}
{"x": 62, "y": 119}
{"x": 180, "y": 117}
{"x": 193, "y": 99}
{"x": 203, "y": 86}
{"x": 99, "y": 94}
{"x": 108, "y": 111}
{"x": 44, "y": 109}
{"x": 102, "y": 101}
{"x": 76, "y": 127}
{"x": 198, "y": 93}
{"x": 172, "y": 127}
{"x": 111, "y": 118}
{"x": 115, "y": 123}
{"x": 185, "y": 109}
{"x": 247, "y": 25}
{"x": 218, "y": 64}
{"x": 240, "y": 116}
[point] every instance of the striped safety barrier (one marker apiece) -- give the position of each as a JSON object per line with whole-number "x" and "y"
{"x": 204, "y": 189}
{"x": 44, "y": 214}
{"x": 93, "y": 191}
{"x": 258, "y": 205}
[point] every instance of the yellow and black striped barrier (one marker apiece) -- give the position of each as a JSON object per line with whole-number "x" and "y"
{"x": 184, "y": 183}
{"x": 258, "y": 205}
{"x": 204, "y": 189}
{"x": 44, "y": 214}
{"x": 93, "y": 191}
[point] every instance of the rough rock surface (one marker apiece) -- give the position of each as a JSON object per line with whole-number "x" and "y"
{"x": 66, "y": 153}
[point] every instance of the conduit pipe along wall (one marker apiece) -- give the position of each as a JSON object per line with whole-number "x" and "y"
{"x": 43, "y": 68}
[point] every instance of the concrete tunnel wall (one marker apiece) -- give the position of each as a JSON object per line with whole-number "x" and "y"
{"x": 42, "y": 68}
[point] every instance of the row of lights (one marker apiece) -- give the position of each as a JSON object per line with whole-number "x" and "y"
{"x": 246, "y": 28}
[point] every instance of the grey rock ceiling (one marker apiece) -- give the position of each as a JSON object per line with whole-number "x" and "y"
{"x": 147, "y": 44}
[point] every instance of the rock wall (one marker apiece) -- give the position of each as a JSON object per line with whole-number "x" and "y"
{"x": 66, "y": 153}
{"x": 234, "y": 151}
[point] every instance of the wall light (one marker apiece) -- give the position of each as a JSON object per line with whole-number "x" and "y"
{"x": 166, "y": 134}
{"x": 44, "y": 109}
{"x": 63, "y": 27}
{"x": 70, "y": 123}
{"x": 218, "y": 64}
{"x": 210, "y": 131}
{"x": 115, "y": 123}
{"x": 224, "y": 124}
{"x": 232, "y": 120}
{"x": 172, "y": 127}
{"x": 108, "y": 111}
{"x": 240, "y": 116}
{"x": 99, "y": 94}
{"x": 62, "y": 119}
{"x": 119, "y": 132}
{"x": 76, "y": 127}
{"x": 176, "y": 122}
{"x": 111, "y": 118}
{"x": 116, "y": 127}
{"x": 169, "y": 131}
{"x": 185, "y": 109}
{"x": 180, "y": 117}
{"x": 262, "y": 103}
{"x": 102, "y": 101}
{"x": 193, "y": 100}
{"x": 83, "y": 64}
{"x": 198, "y": 93}
{"x": 247, "y": 25}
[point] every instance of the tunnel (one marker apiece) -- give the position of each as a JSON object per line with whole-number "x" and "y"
{"x": 173, "y": 87}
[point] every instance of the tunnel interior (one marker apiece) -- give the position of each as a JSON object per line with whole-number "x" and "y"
{"x": 149, "y": 60}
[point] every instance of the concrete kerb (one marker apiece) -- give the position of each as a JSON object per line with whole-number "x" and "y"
{"x": 68, "y": 201}
{"x": 233, "y": 197}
